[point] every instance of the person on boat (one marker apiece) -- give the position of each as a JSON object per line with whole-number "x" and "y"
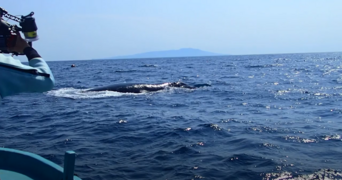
{"x": 16, "y": 77}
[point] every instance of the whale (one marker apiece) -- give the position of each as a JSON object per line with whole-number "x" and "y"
{"x": 141, "y": 87}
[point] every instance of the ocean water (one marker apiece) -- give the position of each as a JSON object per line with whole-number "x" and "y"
{"x": 262, "y": 117}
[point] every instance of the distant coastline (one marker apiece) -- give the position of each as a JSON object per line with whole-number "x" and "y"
{"x": 183, "y": 52}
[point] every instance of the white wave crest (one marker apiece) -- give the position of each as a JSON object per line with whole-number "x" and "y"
{"x": 73, "y": 93}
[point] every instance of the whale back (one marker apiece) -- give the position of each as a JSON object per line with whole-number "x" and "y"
{"x": 141, "y": 87}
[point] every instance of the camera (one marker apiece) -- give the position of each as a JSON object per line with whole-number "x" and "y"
{"x": 8, "y": 32}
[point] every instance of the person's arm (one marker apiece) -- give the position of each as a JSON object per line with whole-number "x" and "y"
{"x": 37, "y": 62}
{"x": 14, "y": 81}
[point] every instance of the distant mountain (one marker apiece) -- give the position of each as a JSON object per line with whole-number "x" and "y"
{"x": 184, "y": 52}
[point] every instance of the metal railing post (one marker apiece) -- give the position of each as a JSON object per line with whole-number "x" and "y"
{"x": 69, "y": 165}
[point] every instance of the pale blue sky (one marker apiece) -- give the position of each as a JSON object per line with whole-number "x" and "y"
{"x": 88, "y": 29}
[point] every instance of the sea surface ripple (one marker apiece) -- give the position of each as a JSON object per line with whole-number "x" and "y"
{"x": 262, "y": 117}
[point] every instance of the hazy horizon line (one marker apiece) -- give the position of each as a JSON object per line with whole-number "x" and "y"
{"x": 198, "y": 56}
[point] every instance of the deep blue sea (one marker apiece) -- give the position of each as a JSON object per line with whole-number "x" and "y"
{"x": 263, "y": 117}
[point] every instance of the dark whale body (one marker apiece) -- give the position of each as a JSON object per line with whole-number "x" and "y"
{"x": 139, "y": 88}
